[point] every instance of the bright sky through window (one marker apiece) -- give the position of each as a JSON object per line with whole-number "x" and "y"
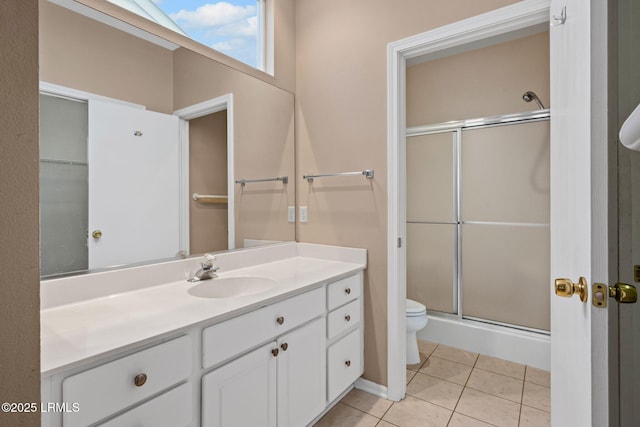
{"x": 229, "y": 26}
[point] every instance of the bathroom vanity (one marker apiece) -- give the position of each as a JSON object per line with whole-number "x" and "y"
{"x": 273, "y": 341}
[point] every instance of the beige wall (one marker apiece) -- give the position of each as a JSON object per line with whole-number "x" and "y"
{"x": 341, "y": 126}
{"x": 480, "y": 83}
{"x": 19, "y": 226}
{"x": 84, "y": 54}
{"x": 208, "y": 224}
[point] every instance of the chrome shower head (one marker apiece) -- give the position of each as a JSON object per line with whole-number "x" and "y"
{"x": 529, "y": 96}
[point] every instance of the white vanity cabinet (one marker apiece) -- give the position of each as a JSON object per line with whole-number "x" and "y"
{"x": 280, "y": 384}
{"x": 276, "y": 362}
{"x": 345, "y": 346}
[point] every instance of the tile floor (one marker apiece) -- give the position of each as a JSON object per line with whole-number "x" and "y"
{"x": 454, "y": 388}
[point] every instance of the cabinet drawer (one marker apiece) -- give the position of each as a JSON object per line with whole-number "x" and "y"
{"x": 344, "y": 364}
{"x": 108, "y": 388}
{"x": 343, "y": 318}
{"x": 234, "y": 336}
{"x": 343, "y": 291}
{"x": 173, "y": 408}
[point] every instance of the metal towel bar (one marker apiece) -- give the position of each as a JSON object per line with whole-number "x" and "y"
{"x": 367, "y": 172}
{"x": 284, "y": 179}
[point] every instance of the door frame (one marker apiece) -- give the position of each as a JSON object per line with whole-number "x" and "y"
{"x": 504, "y": 24}
{"x": 210, "y": 106}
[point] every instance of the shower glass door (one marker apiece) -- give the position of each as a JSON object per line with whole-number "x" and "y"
{"x": 505, "y": 224}
{"x": 432, "y": 221}
{"x": 478, "y": 223}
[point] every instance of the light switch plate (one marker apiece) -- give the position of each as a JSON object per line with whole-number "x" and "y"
{"x": 304, "y": 214}
{"x": 291, "y": 214}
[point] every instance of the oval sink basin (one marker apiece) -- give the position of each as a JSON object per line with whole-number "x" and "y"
{"x": 229, "y": 287}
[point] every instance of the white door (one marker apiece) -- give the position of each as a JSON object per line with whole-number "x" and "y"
{"x": 579, "y": 350}
{"x": 134, "y": 183}
{"x": 243, "y": 392}
{"x": 302, "y": 381}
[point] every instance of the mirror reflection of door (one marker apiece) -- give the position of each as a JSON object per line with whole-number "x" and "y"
{"x": 110, "y": 185}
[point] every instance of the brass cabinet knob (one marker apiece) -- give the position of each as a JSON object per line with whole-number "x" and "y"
{"x": 280, "y": 320}
{"x": 140, "y": 379}
{"x": 284, "y": 347}
{"x": 96, "y": 234}
{"x": 347, "y": 317}
{"x": 348, "y": 363}
{"x": 275, "y": 352}
{"x": 347, "y": 291}
{"x": 566, "y": 288}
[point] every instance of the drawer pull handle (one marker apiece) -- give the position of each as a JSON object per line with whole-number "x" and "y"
{"x": 347, "y": 317}
{"x": 280, "y": 320}
{"x": 347, "y": 291}
{"x": 284, "y": 347}
{"x": 140, "y": 379}
{"x": 348, "y": 363}
{"x": 275, "y": 352}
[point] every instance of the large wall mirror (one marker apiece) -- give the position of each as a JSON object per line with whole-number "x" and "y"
{"x": 133, "y": 191}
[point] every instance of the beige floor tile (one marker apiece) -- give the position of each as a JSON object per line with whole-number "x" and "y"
{"x": 501, "y": 366}
{"x": 346, "y": 416}
{"x": 488, "y": 408}
{"x": 410, "y": 375}
{"x": 459, "y": 420}
{"x": 538, "y": 376}
{"x": 446, "y": 370}
{"x": 436, "y": 391}
{"x": 455, "y": 355}
{"x": 412, "y": 412}
{"x": 366, "y": 402}
{"x": 537, "y": 396}
{"x": 416, "y": 367}
{"x": 496, "y": 384}
{"x": 383, "y": 423}
{"x": 426, "y": 347}
{"x": 531, "y": 417}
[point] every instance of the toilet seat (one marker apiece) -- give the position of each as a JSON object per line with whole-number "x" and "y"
{"x": 415, "y": 309}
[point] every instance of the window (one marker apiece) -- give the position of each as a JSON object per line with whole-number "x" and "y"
{"x": 233, "y": 27}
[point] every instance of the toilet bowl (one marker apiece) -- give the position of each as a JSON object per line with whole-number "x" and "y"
{"x": 416, "y": 320}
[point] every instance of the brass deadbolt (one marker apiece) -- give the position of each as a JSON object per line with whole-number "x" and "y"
{"x": 566, "y": 288}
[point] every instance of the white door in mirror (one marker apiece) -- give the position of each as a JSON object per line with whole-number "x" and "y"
{"x": 630, "y": 131}
{"x": 134, "y": 185}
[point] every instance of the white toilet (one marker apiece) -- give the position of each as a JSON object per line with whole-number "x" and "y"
{"x": 416, "y": 320}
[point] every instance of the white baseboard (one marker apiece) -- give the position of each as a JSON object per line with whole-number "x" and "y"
{"x": 527, "y": 348}
{"x": 371, "y": 387}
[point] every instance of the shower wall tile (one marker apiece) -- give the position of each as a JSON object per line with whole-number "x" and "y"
{"x": 505, "y": 274}
{"x": 430, "y": 178}
{"x": 430, "y": 265}
{"x": 505, "y": 174}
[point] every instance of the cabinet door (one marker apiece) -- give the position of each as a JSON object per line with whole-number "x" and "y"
{"x": 243, "y": 392}
{"x": 302, "y": 374}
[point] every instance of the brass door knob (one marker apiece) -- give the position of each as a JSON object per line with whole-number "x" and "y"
{"x": 566, "y": 288}
{"x": 280, "y": 320}
{"x": 96, "y": 234}
{"x": 140, "y": 379}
